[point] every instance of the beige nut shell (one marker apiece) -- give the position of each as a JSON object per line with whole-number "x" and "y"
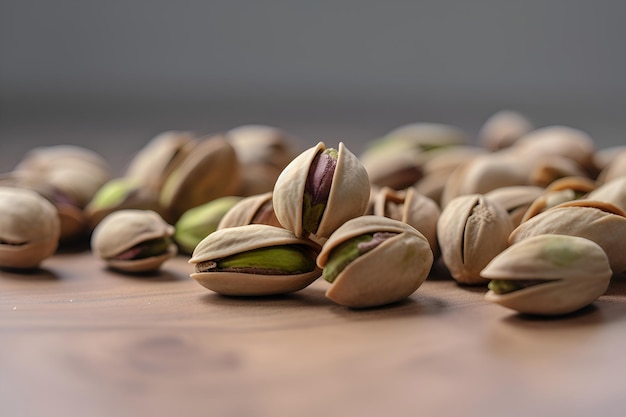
{"x": 348, "y": 198}
{"x": 32, "y": 221}
{"x": 472, "y": 230}
{"x": 603, "y": 223}
{"x": 579, "y": 267}
{"x": 234, "y": 240}
{"x": 245, "y": 211}
{"x": 123, "y": 229}
{"x": 390, "y": 272}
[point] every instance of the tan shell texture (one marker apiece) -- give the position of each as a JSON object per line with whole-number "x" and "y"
{"x": 472, "y": 230}
{"x": 234, "y": 240}
{"x": 247, "y": 211}
{"x": 603, "y": 223}
{"x": 577, "y": 268}
{"x": 123, "y": 229}
{"x": 388, "y": 273}
{"x": 348, "y": 197}
{"x": 29, "y": 228}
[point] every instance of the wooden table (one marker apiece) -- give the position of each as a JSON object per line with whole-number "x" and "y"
{"x": 77, "y": 339}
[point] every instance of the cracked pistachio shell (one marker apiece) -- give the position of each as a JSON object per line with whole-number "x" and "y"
{"x": 616, "y": 168}
{"x": 597, "y": 221}
{"x": 410, "y": 207}
{"x": 472, "y": 230}
{"x": 426, "y": 136}
{"x": 124, "y": 229}
{"x": 348, "y": 195}
{"x": 209, "y": 171}
{"x": 231, "y": 241}
{"x": 502, "y": 129}
{"x": 155, "y": 160}
{"x": 389, "y": 272}
{"x": 256, "y": 209}
{"x": 559, "y": 191}
{"x": 544, "y": 171}
{"x": 577, "y": 270}
{"x": 199, "y": 222}
{"x": 29, "y": 228}
{"x": 392, "y": 166}
{"x": 515, "y": 200}
{"x": 262, "y": 144}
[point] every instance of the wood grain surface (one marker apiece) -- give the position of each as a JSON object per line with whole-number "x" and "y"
{"x": 77, "y": 339}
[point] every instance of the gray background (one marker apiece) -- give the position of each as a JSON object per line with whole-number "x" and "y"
{"x": 111, "y": 74}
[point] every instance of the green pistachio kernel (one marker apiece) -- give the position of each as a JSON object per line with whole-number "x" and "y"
{"x": 274, "y": 260}
{"x": 342, "y": 255}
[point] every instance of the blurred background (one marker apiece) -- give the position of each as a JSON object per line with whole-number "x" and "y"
{"x": 110, "y": 75}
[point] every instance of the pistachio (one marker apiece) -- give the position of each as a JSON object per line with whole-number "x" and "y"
{"x": 515, "y": 200}
{"x": 616, "y": 168}
{"x": 256, "y": 209}
{"x": 133, "y": 240}
{"x": 559, "y": 191}
{"x": 209, "y": 171}
{"x": 320, "y": 190}
{"x": 472, "y": 230}
{"x": 613, "y": 192}
{"x": 155, "y": 161}
{"x": 410, "y": 207}
{"x": 199, "y": 222}
{"x": 503, "y": 129}
{"x": 548, "y": 275}
{"x": 602, "y": 223}
{"x": 120, "y": 194}
{"x": 254, "y": 260}
{"x": 372, "y": 261}
{"x": 29, "y": 228}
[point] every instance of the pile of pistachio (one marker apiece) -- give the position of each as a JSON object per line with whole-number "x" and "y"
{"x": 535, "y": 215}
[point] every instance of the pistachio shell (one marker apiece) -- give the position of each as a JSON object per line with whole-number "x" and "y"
{"x": 256, "y": 209}
{"x": 154, "y": 162}
{"x": 472, "y": 230}
{"x": 236, "y": 240}
{"x": 615, "y": 169}
{"x": 515, "y": 200}
{"x": 388, "y": 273}
{"x": 577, "y": 270}
{"x": 559, "y": 191}
{"x": 348, "y": 196}
{"x": 29, "y": 228}
{"x": 602, "y": 223}
{"x": 613, "y": 192}
{"x": 125, "y": 229}
{"x": 267, "y": 145}
{"x": 210, "y": 171}
{"x": 410, "y": 207}
{"x": 502, "y": 129}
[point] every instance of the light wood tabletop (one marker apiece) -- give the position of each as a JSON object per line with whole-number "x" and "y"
{"x": 77, "y": 339}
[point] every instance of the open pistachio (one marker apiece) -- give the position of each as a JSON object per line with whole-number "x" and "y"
{"x": 613, "y": 192}
{"x": 472, "y": 230}
{"x": 600, "y": 222}
{"x": 548, "y": 275}
{"x": 255, "y": 209}
{"x": 199, "y": 222}
{"x": 210, "y": 170}
{"x": 29, "y": 228}
{"x": 616, "y": 168}
{"x": 319, "y": 190}
{"x": 133, "y": 240}
{"x": 372, "y": 261}
{"x": 410, "y": 207}
{"x": 559, "y": 191}
{"x": 120, "y": 194}
{"x": 253, "y": 260}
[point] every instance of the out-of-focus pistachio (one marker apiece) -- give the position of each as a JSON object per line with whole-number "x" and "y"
{"x": 410, "y": 207}
{"x": 615, "y": 169}
{"x": 613, "y": 192}
{"x": 502, "y": 129}
{"x": 29, "y": 228}
{"x": 373, "y": 260}
{"x": 515, "y": 200}
{"x": 199, "y": 222}
{"x": 560, "y": 191}
{"x": 319, "y": 190}
{"x": 548, "y": 275}
{"x": 133, "y": 240}
{"x": 472, "y": 230}
{"x": 254, "y": 260}
{"x": 211, "y": 170}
